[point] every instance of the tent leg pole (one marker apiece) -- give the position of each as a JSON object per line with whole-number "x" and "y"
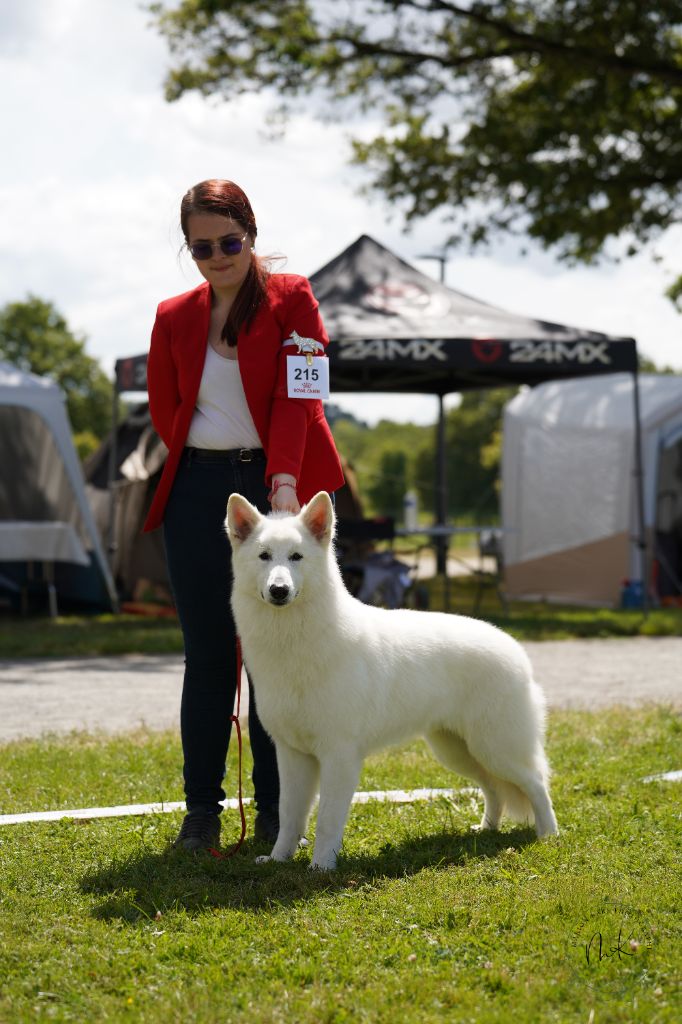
{"x": 441, "y": 503}
{"x": 640, "y": 537}
{"x": 111, "y": 476}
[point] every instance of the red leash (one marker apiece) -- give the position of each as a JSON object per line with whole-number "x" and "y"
{"x": 235, "y": 718}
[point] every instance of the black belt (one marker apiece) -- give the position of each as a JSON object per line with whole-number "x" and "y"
{"x": 224, "y": 454}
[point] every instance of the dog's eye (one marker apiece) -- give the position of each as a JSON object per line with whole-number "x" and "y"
{"x": 265, "y": 556}
{"x": 296, "y": 557}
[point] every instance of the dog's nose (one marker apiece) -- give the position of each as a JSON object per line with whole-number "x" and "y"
{"x": 279, "y": 593}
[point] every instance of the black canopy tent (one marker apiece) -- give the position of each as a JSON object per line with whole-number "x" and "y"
{"x": 393, "y": 329}
{"x": 396, "y": 330}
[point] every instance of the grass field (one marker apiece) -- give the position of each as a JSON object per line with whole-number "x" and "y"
{"x": 72, "y": 635}
{"x": 425, "y": 920}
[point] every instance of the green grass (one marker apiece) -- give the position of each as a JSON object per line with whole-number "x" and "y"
{"x": 88, "y": 635}
{"x": 539, "y": 622}
{"x": 425, "y": 920}
{"x": 70, "y": 636}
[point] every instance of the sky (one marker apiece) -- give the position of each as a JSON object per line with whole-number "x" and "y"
{"x": 95, "y": 161}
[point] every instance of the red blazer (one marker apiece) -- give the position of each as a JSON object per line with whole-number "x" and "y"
{"x": 293, "y": 431}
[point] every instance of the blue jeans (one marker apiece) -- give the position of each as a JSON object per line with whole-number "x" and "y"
{"x": 200, "y": 570}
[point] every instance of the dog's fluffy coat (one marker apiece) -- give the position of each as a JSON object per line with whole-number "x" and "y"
{"x": 336, "y": 679}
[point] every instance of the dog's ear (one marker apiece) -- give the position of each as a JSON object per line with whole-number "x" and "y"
{"x": 242, "y": 518}
{"x": 318, "y": 517}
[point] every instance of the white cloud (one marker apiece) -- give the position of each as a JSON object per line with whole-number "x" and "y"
{"x": 25, "y": 26}
{"x": 95, "y": 163}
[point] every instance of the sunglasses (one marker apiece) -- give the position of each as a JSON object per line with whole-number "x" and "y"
{"x": 230, "y": 245}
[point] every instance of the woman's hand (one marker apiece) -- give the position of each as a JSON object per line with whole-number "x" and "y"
{"x": 284, "y": 498}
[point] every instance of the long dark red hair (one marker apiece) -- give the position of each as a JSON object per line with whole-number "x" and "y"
{"x": 229, "y": 200}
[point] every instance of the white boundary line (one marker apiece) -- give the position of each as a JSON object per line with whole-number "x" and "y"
{"x": 675, "y": 776}
{"x": 393, "y": 796}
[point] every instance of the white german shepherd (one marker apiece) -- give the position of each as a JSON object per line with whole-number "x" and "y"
{"x": 337, "y": 679}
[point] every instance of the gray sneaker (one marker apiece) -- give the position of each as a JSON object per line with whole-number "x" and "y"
{"x": 199, "y": 831}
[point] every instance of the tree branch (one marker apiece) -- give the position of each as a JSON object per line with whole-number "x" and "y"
{"x": 416, "y": 57}
{"x": 537, "y": 43}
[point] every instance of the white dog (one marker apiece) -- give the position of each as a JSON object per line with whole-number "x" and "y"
{"x": 337, "y": 679}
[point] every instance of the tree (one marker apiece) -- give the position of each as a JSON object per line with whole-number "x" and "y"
{"x": 557, "y": 119}
{"x": 647, "y": 365}
{"x": 387, "y": 490}
{"x": 473, "y": 451}
{"x": 36, "y": 338}
{"x": 383, "y": 458}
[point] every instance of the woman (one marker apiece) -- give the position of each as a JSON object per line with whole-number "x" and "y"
{"x": 218, "y": 398}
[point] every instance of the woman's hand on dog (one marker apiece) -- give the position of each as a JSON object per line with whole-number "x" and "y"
{"x": 284, "y": 498}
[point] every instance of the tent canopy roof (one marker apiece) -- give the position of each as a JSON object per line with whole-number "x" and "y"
{"x": 599, "y": 404}
{"x": 395, "y": 329}
{"x": 18, "y": 385}
{"x": 41, "y": 479}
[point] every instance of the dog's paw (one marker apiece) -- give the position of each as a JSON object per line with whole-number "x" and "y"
{"x": 264, "y": 858}
{"x": 303, "y": 843}
{"x": 324, "y": 865}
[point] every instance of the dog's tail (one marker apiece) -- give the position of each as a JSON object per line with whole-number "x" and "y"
{"x": 517, "y": 806}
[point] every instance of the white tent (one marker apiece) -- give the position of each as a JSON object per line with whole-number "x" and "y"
{"x": 569, "y": 501}
{"x": 45, "y": 519}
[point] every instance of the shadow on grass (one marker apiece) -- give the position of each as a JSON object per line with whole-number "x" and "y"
{"x": 138, "y": 886}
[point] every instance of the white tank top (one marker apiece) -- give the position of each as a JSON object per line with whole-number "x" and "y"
{"x": 221, "y": 417}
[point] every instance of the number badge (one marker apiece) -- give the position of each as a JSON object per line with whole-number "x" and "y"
{"x": 307, "y": 381}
